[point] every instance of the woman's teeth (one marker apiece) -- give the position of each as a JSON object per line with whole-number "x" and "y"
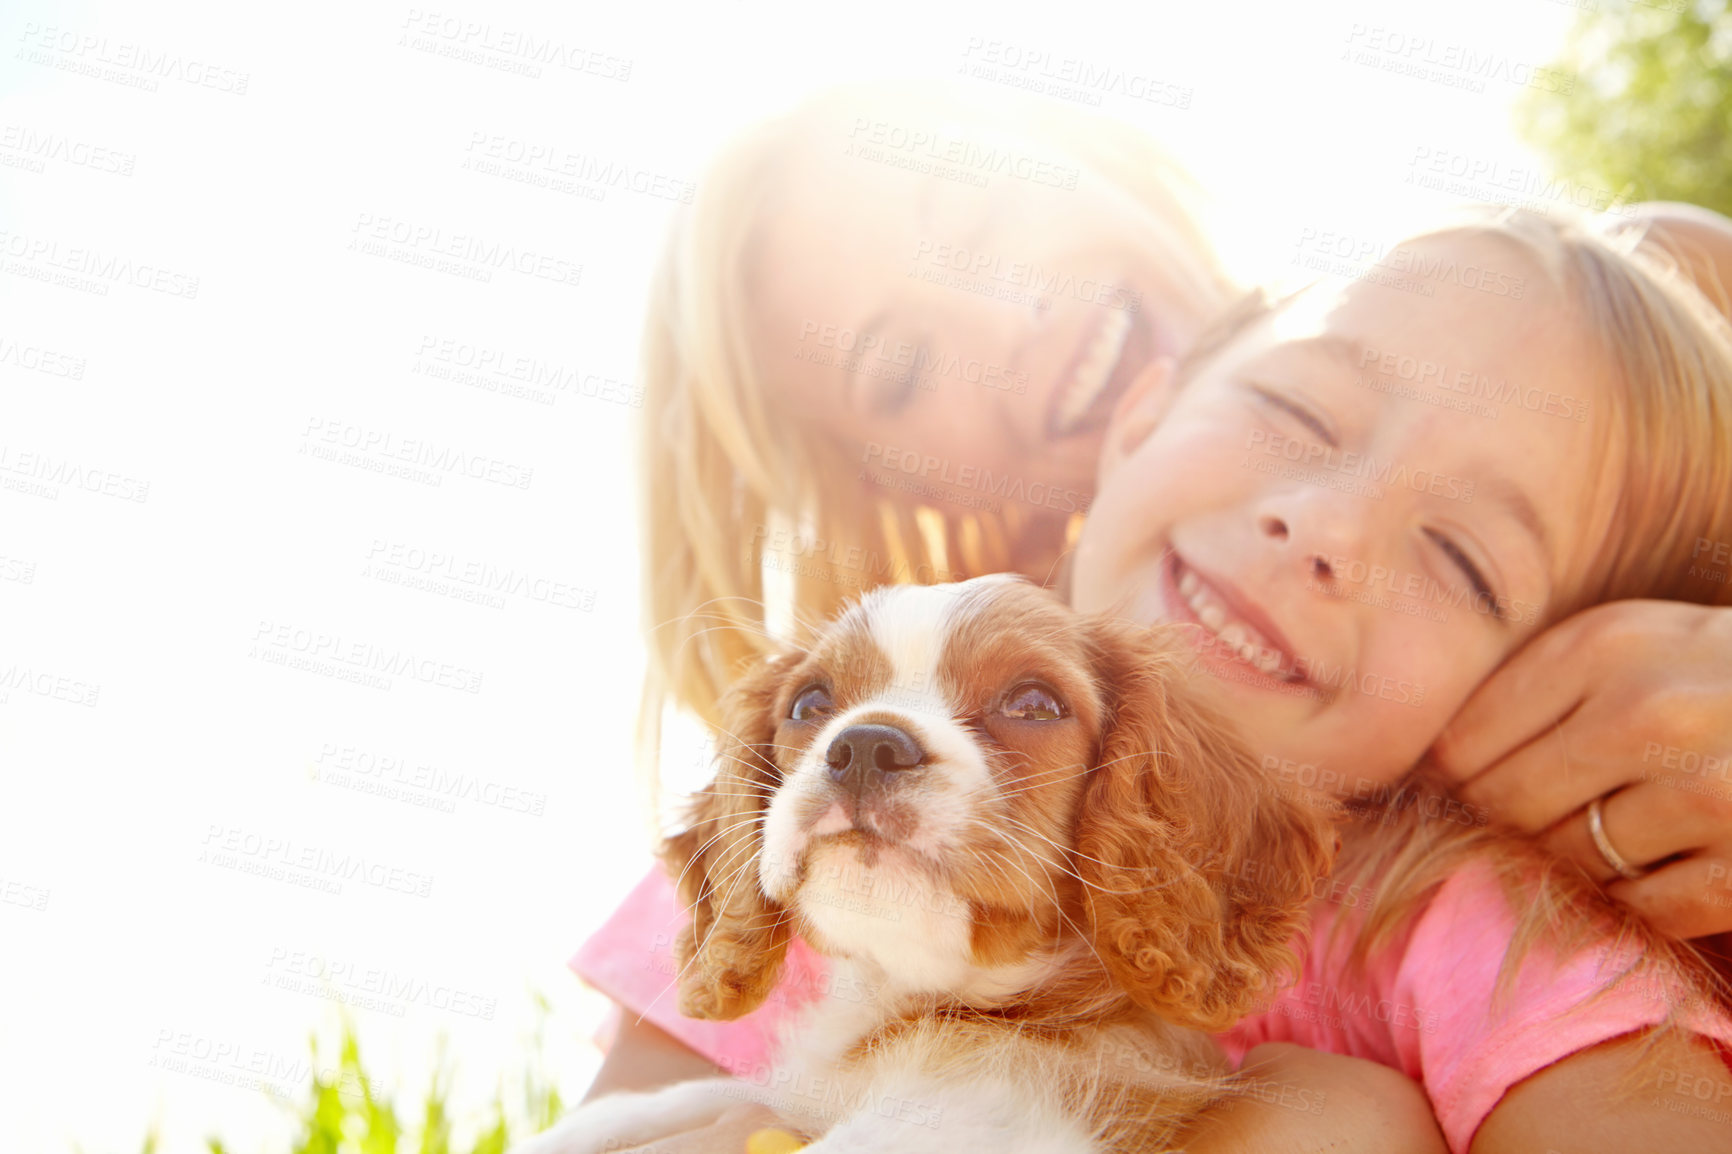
{"x": 1240, "y": 639}
{"x": 1093, "y": 370}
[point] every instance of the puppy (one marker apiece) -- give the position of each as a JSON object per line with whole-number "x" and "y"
{"x": 1050, "y": 867}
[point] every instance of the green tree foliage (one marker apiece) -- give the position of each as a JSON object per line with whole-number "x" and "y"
{"x": 1649, "y": 115}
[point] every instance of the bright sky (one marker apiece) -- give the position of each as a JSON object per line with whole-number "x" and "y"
{"x": 210, "y": 337}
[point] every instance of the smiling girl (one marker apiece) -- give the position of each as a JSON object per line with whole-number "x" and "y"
{"x": 1525, "y": 999}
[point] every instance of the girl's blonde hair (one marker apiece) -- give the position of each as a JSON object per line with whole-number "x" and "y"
{"x": 730, "y": 487}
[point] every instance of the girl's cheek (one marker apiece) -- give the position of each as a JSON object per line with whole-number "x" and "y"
{"x": 1443, "y": 660}
{"x": 1227, "y": 429}
{"x": 1211, "y": 465}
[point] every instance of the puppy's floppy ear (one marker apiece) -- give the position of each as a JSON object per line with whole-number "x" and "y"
{"x": 728, "y": 957}
{"x": 1198, "y": 872}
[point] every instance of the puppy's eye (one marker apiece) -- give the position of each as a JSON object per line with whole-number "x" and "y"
{"x": 810, "y": 704}
{"x": 1032, "y": 701}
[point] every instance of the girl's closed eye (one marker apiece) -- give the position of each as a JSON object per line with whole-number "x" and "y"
{"x": 1313, "y": 421}
{"x": 1476, "y": 580}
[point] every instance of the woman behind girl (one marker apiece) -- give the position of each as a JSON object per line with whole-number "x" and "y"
{"x": 826, "y": 313}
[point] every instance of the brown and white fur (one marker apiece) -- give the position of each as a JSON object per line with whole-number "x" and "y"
{"x": 1046, "y": 906}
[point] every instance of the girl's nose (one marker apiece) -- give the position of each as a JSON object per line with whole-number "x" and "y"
{"x": 1314, "y": 530}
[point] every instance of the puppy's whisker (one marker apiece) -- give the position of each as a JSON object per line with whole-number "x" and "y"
{"x": 697, "y": 858}
{"x": 698, "y": 854}
{"x": 734, "y": 882}
{"x": 754, "y": 793}
{"x": 1040, "y": 781}
{"x": 1058, "y": 908}
{"x": 1072, "y": 852}
{"x": 1133, "y": 756}
{"x": 1011, "y": 763}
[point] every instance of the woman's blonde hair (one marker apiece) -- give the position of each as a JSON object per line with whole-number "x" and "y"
{"x": 730, "y": 487}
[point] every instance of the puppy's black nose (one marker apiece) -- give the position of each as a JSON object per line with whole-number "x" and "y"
{"x": 862, "y": 751}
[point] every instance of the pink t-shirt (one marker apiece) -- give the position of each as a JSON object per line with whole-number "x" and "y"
{"x": 1424, "y": 1007}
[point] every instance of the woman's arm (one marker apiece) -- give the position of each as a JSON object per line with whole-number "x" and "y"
{"x": 645, "y": 1057}
{"x": 1301, "y": 1101}
{"x": 1685, "y": 1103}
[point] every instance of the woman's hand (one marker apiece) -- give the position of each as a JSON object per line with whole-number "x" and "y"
{"x": 1629, "y": 703}
{"x": 728, "y": 1134}
{"x": 643, "y": 1058}
{"x": 1298, "y": 1101}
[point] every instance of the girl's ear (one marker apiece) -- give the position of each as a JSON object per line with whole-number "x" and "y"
{"x": 1137, "y": 412}
{"x": 1198, "y": 872}
{"x": 729, "y": 956}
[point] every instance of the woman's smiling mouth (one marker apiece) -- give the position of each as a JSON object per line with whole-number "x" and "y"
{"x": 1113, "y": 351}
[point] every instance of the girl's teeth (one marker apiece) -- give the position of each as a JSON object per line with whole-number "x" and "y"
{"x": 1235, "y": 637}
{"x": 1244, "y": 642}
